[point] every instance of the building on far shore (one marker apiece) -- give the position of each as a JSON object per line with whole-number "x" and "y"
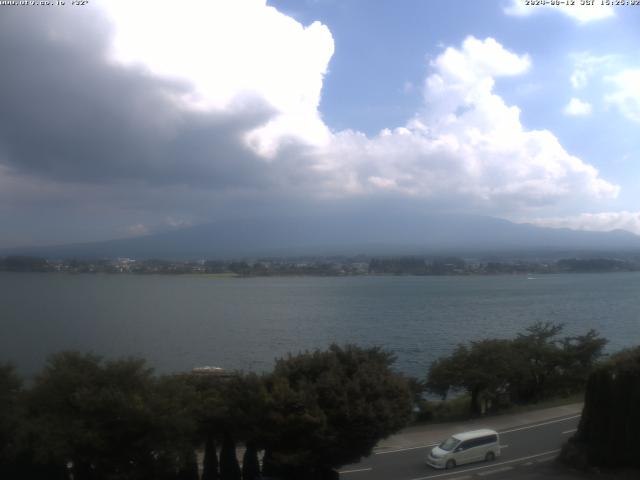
{"x": 208, "y": 371}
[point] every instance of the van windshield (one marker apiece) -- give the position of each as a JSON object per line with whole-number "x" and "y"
{"x": 449, "y": 444}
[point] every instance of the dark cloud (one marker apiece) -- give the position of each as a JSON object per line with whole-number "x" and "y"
{"x": 71, "y": 115}
{"x": 94, "y": 149}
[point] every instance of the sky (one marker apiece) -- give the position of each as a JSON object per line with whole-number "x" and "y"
{"x": 120, "y": 118}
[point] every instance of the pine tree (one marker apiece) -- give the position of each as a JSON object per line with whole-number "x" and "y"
{"x": 210, "y": 462}
{"x": 250, "y": 463}
{"x": 229, "y": 468}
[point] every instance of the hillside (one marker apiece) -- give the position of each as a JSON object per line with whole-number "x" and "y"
{"x": 349, "y": 235}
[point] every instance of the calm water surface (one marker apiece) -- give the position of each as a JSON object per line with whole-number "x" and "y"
{"x": 178, "y": 322}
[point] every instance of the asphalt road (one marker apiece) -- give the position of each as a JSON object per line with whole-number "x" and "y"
{"x": 523, "y": 449}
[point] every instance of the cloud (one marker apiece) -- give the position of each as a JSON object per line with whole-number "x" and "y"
{"x": 466, "y": 146}
{"x": 69, "y": 115}
{"x": 577, "y": 107}
{"x": 231, "y": 50}
{"x": 137, "y": 230}
{"x": 626, "y": 94}
{"x": 602, "y": 222}
{"x": 580, "y": 13}
{"x": 227, "y": 122}
{"x": 585, "y": 66}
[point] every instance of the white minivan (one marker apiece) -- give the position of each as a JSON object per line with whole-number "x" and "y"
{"x": 466, "y": 447}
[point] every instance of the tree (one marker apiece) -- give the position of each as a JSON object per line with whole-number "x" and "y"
{"x": 188, "y": 469}
{"x": 447, "y": 373}
{"x": 609, "y": 429}
{"x": 330, "y": 408}
{"x": 579, "y": 355}
{"x": 174, "y": 434}
{"x": 250, "y": 463}
{"x": 23, "y": 263}
{"x": 229, "y": 467}
{"x": 542, "y": 356}
{"x": 111, "y": 419}
{"x": 555, "y": 366}
{"x": 10, "y": 420}
{"x": 210, "y": 461}
{"x": 210, "y": 415}
{"x": 484, "y": 370}
{"x": 229, "y": 409}
{"x": 534, "y": 365}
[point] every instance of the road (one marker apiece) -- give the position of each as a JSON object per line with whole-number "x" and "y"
{"x": 523, "y": 448}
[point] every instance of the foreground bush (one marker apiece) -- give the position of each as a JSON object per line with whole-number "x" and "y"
{"x": 87, "y": 418}
{"x": 609, "y": 430}
{"x": 330, "y": 408}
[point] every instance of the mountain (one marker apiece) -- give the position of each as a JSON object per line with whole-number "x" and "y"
{"x": 348, "y": 234}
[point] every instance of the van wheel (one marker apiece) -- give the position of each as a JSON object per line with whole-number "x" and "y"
{"x": 490, "y": 457}
{"x": 450, "y": 464}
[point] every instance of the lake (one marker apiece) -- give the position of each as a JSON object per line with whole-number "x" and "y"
{"x": 179, "y": 322}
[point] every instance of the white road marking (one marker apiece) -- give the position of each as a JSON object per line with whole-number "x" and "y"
{"x": 489, "y": 472}
{"x": 550, "y": 452}
{"x": 504, "y": 431}
{"x": 569, "y": 431}
{"x": 355, "y": 471}
{"x": 541, "y": 424}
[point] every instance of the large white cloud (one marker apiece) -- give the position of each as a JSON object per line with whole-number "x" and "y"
{"x": 466, "y": 144}
{"x": 232, "y": 52}
{"x": 577, "y": 11}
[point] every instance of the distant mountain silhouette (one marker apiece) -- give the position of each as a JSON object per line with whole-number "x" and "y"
{"x": 347, "y": 235}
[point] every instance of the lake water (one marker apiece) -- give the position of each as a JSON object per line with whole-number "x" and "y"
{"x": 178, "y": 322}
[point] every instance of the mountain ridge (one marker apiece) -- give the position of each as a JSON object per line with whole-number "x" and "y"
{"x": 345, "y": 235}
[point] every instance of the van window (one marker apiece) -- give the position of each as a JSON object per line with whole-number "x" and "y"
{"x": 465, "y": 445}
{"x": 449, "y": 444}
{"x": 489, "y": 439}
{"x": 477, "y": 442}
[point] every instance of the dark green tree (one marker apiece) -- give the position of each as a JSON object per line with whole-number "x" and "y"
{"x": 110, "y": 419}
{"x": 484, "y": 370}
{"x": 609, "y": 430}
{"x": 269, "y": 466}
{"x": 211, "y": 418}
{"x": 11, "y": 420}
{"x": 240, "y": 410}
{"x": 579, "y": 356}
{"x": 188, "y": 468}
{"x": 230, "y": 409}
{"x": 229, "y": 467}
{"x": 533, "y": 366}
{"x": 210, "y": 461}
{"x": 250, "y": 463}
{"x": 447, "y": 373}
{"x": 330, "y": 408}
{"x": 541, "y": 358}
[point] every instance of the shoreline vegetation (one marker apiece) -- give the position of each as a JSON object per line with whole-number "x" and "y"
{"x": 457, "y": 409}
{"x": 323, "y": 266}
{"x": 89, "y": 418}
{"x": 607, "y": 435}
